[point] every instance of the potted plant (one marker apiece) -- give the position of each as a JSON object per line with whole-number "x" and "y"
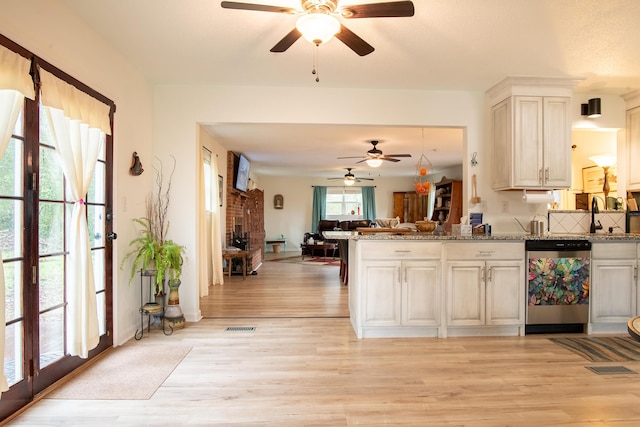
{"x": 151, "y": 249}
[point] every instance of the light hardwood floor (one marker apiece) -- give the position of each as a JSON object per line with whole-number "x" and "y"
{"x": 303, "y": 366}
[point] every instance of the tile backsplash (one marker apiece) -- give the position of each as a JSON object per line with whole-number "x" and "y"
{"x": 576, "y": 222}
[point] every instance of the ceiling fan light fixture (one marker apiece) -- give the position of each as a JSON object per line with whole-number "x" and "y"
{"x": 349, "y": 181}
{"x": 318, "y": 28}
{"x": 374, "y": 163}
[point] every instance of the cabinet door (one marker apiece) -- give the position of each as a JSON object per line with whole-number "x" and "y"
{"x": 505, "y": 293}
{"x": 502, "y": 140}
{"x": 613, "y": 290}
{"x": 557, "y": 140}
{"x": 465, "y": 293}
{"x": 633, "y": 148}
{"x": 528, "y": 133}
{"x": 381, "y": 295}
{"x": 421, "y": 293}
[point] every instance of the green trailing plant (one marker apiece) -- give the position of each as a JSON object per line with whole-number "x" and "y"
{"x": 151, "y": 250}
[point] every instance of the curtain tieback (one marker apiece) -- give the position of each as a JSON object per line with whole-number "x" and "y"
{"x": 81, "y": 201}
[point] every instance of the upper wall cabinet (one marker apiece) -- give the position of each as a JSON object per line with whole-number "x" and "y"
{"x": 531, "y": 133}
{"x": 633, "y": 148}
{"x": 633, "y": 140}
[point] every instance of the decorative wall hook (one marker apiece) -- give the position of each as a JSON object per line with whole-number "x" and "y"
{"x": 136, "y": 167}
{"x": 474, "y": 160}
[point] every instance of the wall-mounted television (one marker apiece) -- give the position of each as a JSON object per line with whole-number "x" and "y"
{"x": 241, "y": 173}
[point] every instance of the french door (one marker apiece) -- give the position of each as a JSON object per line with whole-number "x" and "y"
{"x": 35, "y": 208}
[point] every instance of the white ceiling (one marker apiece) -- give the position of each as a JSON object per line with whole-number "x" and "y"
{"x": 448, "y": 44}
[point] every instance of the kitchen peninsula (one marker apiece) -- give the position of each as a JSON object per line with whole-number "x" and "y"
{"x": 424, "y": 285}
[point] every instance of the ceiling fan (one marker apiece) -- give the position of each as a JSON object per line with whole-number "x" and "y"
{"x": 318, "y": 23}
{"x": 350, "y": 179}
{"x": 374, "y": 157}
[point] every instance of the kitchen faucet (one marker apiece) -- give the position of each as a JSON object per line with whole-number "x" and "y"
{"x": 594, "y": 210}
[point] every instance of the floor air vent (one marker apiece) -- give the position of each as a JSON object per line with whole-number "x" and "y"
{"x": 610, "y": 370}
{"x": 240, "y": 329}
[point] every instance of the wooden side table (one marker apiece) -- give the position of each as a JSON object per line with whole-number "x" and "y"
{"x": 230, "y": 255}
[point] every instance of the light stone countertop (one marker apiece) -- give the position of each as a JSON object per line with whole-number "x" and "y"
{"x": 598, "y": 237}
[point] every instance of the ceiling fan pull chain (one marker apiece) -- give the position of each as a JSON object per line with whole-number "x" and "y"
{"x": 315, "y": 70}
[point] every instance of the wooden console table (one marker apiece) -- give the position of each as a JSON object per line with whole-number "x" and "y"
{"x": 230, "y": 255}
{"x": 324, "y": 246}
{"x": 276, "y": 243}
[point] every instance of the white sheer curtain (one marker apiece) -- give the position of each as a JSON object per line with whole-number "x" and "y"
{"x": 204, "y": 276}
{"x": 15, "y": 85}
{"x": 211, "y": 245}
{"x": 216, "y": 227}
{"x": 78, "y": 123}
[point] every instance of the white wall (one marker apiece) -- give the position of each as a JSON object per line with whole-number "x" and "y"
{"x": 48, "y": 30}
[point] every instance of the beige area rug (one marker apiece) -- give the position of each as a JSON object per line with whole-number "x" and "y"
{"x": 130, "y": 372}
{"x": 602, "y": 349}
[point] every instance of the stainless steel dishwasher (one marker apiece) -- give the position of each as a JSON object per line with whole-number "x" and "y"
{"x": 558, "y": 279}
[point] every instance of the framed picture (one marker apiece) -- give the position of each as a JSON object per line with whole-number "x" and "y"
{"x": 593, "y": 179}
{"x": 220, "y": 188}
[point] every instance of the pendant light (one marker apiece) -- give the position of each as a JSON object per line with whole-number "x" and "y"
{"x": 423, "y": 167}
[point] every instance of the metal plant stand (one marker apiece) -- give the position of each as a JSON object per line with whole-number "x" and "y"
{"x": 150, "y": 309}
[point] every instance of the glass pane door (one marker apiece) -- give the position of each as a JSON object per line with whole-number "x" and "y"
{"x": 11, "y": 245}
{"x": 35, "y": 212}
{"x": 52, "y": 250}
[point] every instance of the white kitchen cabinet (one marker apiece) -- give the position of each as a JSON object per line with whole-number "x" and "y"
{"x": 485, "y": 284}
{"x": 396, "y": 289}
{"x": 382, "y": 294}
{"x": 531, "y": 138}
{"x": 614, "y": 286}
{"x": 421, "y": 293}
{"x": 401, "y": 293}
{"x": 505, "y": 292}
{"x": 485, "y": 292}
{"x": 633, "y": 149}
{"x": 465, "y": 293}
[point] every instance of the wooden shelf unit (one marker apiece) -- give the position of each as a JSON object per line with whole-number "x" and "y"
{"x": 410, "y": 206}
{"x": 449, "y": 211}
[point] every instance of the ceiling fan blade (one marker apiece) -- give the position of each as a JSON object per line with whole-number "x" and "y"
{"x": 364, "y": 179}
{"x": 258, "y": 7}
{"x": 394, "y": 9}
{"x": 287, "y": 41}
{"x": 397, "y": 155}
{"x": 353, "y": 41}
{"x": 390, "y": 159}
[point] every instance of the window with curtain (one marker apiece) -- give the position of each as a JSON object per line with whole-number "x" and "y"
{"x": 343, "y": 203}
{"x": 208, "y": 187}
